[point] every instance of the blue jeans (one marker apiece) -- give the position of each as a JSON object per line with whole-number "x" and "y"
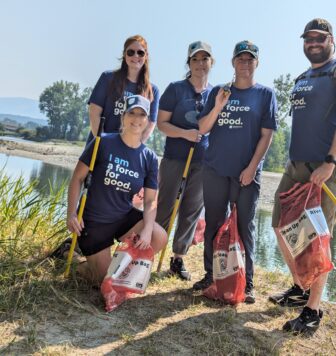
{"x": 218, "y": 192}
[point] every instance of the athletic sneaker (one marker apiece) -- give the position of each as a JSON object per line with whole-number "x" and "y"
{"x": 293, "y": 297}
{"x": 306, "y": 323}
{"x": 249, "y": 296}
{"x": 62, "y": 250}
{"x": 178, "y": 269}
{"x": 204, "y": 283}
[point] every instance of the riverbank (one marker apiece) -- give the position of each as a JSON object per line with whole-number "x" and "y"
{"x": 66, "y": 155}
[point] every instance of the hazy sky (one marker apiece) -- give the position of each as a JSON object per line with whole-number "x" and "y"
{"x": 43, "y": 41}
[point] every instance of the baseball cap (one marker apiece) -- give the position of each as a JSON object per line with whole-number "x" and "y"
{"x": 246, "y": 46}
{"x": 318, "y": 25}
{"x": 137, "y": 101}
{"x": 197, "y": 47}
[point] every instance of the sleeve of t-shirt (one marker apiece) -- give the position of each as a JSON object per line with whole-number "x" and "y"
{"x": 168, "y": 99}
{"x": 210, "y": 103}
{"x": 87, "y": 153}
{"x": 151, "y": 179}
{"x": 269, "y": 118}
{"x": 99, "y": 92}
{"x": 154, "y": 107}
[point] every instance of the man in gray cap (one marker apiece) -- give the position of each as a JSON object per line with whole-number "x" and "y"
{"x": 313, "y": 141}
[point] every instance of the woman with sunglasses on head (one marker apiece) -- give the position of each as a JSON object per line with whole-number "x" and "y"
{"x": 241, "y": 121}
{"x": 123, "y": 166}
{"x": 108, "y": 96}
{"x": 179, "y": 106}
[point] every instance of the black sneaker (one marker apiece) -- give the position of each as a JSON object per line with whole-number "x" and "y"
{"x": 204, "y": 283}
{"x": 293, "y": 297}
{"x": 249, "y": 296}
{"x": 306, "y": 323}
{"x": 178, "y": 269}
{"x": 61, "y": 251}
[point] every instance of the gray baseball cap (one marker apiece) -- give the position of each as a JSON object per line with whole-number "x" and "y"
{"x": 197, "y": 47}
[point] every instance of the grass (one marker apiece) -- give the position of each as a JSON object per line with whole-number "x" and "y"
{"x": 41, "y": 313}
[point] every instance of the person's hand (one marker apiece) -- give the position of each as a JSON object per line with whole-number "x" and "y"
{"x": 193, "y": 135}
{"x": 222, "y": 98}
{"x": 246, "y": 176}
{"x": 322, "y": 173}
{"x": 74, "y": 225}
{"x": 143, "y": 240}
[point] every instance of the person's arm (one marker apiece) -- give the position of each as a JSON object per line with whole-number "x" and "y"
{"x": 248, "y": 174}
{"x": 206, "y": 122}
{"x": 171, "y": 130}
{"x": 148, "y": 131}
{"x": 149, "y": 215}
{"x": 74, "y": 190}
{"x": 325, "y": 170}
{"x": 95, "y": 112}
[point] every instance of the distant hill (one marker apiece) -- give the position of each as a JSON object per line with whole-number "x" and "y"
{"x": 23, "y": 119}
{"x": 22, "y": 107}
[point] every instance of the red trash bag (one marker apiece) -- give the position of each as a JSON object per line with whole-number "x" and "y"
{"x": 199, "y": 232}
{"x": 228, "y": 264}
{"x": 128, "y": 273}
{"x": 305, "y": 232}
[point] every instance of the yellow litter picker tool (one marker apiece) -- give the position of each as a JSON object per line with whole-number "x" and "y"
{"x": 87, "y": 184}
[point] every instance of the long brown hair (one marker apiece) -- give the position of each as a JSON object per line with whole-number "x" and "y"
{"x": 118, "y": 84}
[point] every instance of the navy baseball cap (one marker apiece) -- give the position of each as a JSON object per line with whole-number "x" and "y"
{"x": 246, "y": 46}
{"x": 137, "y": 101}
{"x": 318, "y": 25}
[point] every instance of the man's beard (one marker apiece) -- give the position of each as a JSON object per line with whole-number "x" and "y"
{"x": 320, "y": 57}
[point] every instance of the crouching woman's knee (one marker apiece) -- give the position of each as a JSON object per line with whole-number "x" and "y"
{"x": 159, "y": 238}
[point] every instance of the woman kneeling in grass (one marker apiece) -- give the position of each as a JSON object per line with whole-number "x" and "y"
{"x": 123, "y": 166}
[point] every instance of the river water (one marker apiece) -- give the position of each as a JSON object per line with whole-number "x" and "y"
{"x": 268, "y": 255}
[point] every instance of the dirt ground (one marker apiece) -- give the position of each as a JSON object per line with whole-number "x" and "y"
{"x": 66, "y": 155}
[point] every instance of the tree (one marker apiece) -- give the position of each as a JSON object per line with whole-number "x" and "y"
{"x": 278, "y": 152}
{"x": 156, "y": 141}
{"x": 66, "y": 109}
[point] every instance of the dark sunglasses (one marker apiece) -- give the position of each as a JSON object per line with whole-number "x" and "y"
{"x": 318, "y": 39}
{"x": 131, "y": 53}
{"x": 199, "y": 102}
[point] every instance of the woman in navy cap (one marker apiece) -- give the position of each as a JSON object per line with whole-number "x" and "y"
{"x": 123, "y": 166}
{"x": 241, "y": 126}
{"x": 179, "y": 106}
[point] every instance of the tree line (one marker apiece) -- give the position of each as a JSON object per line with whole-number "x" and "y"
{"x": 65, "y": 106}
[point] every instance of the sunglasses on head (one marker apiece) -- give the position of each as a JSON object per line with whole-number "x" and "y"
{"x": 132, "y": 52}
{"x": 199, "y": 103}
{"x": 318, "y": 39}
{"x": 247, "y": 47}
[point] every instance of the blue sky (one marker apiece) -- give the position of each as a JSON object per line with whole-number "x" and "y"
{"x": 43, "y": 41}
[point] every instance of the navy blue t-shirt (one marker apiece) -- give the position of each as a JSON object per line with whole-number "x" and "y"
{"x": 237, "y": 131}
{"x": 113, "y": 109}
{"x": 182, "y": 101}
{"x": 120, "y": 172}
{"x": 314, "y": 124}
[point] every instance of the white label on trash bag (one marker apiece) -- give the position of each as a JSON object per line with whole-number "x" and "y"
{"x": 120, "y": 261}
{"x": 135, "y": 276}
{"x": 303, "y": 231}
{"x": 227, "y": 263}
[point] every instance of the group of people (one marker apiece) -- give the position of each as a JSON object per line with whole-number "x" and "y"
{"x": 230, "y": 127}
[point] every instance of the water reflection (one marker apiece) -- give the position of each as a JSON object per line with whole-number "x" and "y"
{"x": 268, "y": 255}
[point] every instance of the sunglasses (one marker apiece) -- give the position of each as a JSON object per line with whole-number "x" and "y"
{"x": 318, "y": 39}
{"x": 199, "y": 102}
{"x": 132, "y": 52}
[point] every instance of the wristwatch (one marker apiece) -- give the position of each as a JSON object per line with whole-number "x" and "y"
{"x": 330, "y": 159}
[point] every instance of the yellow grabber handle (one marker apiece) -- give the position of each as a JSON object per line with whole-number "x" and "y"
{"x": 330, "y": 194}
{"x": 177, "y": 203}
{"x": 87, "y": 184}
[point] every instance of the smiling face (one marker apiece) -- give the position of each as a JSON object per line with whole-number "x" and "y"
{"x": 135, "y": 56}
{"x": 134, "y": 121}
{"x": 318, "y": 47}
{"x": 245, "y": 65}
{"x": 200, "y": 64}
